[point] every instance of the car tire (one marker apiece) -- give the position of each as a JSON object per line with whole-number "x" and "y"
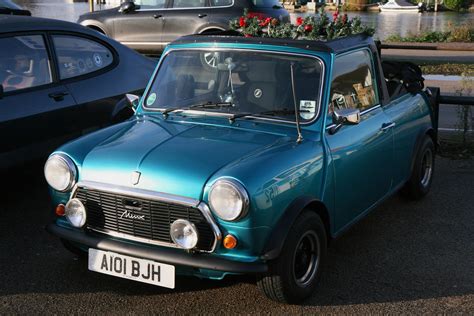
{"x": 421, "y": 176}
{"x": 294, "y": 275}
{"x": 210, "y": 60}
{"x": 74, "y": 249}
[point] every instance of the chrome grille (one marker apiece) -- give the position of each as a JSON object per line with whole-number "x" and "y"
{"x": 105, "y": 212}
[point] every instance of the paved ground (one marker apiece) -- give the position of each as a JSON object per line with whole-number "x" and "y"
{"x": 405, "y": 257}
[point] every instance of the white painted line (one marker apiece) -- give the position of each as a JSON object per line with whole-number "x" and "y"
{"x": 453, "y": 129}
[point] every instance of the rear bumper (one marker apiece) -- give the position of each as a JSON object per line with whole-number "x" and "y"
{"x": 160, "y": 254}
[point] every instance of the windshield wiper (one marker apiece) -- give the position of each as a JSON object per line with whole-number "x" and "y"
{"x": 207, "y": 105}
{"x": 266, "y": 113}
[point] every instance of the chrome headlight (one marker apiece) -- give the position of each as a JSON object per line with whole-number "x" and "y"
{"x": 228, "y": 199}
{"x": 60, "y": 172}
{"x": 75, "y": 213}
{"x": 184, "y": 234}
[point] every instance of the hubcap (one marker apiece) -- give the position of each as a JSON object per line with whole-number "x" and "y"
{"x": 306, "y": 258}
{"x": 426, "y": 167}
{"x": 211, "y": 59}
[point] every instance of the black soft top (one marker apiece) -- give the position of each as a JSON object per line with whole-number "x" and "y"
{"x": 336, "y": 46}
{"x": 13, "y": 23}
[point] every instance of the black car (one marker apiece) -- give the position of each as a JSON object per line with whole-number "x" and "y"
{"x": 59, "y": 80}
{"x": 9, "y": 7}
{"x": 148, "y": 25}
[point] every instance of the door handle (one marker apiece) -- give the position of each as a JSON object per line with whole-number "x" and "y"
{"x": 386, "y": 126}
{"x": 202, "y": 15}
{"x": 157, "y": 16}
{"x": 58, "y": 96}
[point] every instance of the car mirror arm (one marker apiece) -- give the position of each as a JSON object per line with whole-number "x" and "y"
{"x": 132, "y": 101}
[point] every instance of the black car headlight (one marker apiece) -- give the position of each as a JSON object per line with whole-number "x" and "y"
{"x": 60, "y": 172}
{"x": 228, "y": 199}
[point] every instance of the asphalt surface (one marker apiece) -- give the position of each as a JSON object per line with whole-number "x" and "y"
{"x": 405, "y": 257}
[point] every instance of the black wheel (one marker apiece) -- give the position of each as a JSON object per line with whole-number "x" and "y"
{"x": 294, "y": 275}
{"x": 74, "y": 249}
{"x": 421, "y": 177}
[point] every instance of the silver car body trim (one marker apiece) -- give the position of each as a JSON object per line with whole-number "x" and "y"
{"x": 189, "y": 8}
{"x": 214, "y": 49}
{"x": 155, "y": 196}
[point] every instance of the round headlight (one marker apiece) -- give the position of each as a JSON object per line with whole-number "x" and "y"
{"x": 228, "y": 199}
{"x": 75, "y": 213}
{"x": 184, "y": 233}
{"x": 60, "y": 173}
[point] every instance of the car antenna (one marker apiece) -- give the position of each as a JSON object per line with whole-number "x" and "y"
{"x": 297, "y": 113}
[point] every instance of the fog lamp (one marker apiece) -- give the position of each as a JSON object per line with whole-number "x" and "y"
{"x": 184, "y": 233}
{"x": 75, "y": 213}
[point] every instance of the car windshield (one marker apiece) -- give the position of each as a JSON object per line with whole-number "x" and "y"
{"x": 243, "y": 83}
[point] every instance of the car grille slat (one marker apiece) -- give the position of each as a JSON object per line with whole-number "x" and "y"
{"x": 104, "y": 212}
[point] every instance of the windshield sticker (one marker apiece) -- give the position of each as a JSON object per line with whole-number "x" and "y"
{"x": 97, "y": 59}
{"x": 307, "y": 109}
{"x": 151, "y": 99}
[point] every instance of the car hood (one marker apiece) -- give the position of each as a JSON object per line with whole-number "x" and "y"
{"x": 175, "y": 158}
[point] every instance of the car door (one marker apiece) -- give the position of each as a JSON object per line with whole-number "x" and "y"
{"x": 362, "y": 154}
{"x": 142, "y": 28}
{"x": 184, "y": 17}
{"x": 36, "y": 111}
{"x": 84, "y": 65}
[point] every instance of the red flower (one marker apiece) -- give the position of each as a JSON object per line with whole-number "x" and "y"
{"x": 275, "y": 22}
{"x": 242, "y": 21}
{"x": 299, "y": 20}
{"x": 265, "y": 22}
{"x": 247, "y": 35}
{"x": 335, "y": 15}
{"x": 308, "y": 28}
{"x": 344, "y": 19}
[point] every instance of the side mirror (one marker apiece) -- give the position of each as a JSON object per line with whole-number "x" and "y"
{"x": 344, "y": 117}
{"x": 127, "y": 7}
{"x": 132, "y": 101}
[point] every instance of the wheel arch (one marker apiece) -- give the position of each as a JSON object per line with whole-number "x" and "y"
{"x": 280, "y": 231}
{"x": 211, "y": 29}
{"x": 95, "y": 26}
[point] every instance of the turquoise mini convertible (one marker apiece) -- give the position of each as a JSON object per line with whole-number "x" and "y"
{"x": 245, "y": 156}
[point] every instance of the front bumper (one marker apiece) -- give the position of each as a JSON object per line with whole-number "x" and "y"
{"x": 164, "y": 255}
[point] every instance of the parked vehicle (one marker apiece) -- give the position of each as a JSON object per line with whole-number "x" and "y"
{"x": 11, "y": 8}
{"x": 401, "y": 6}
{"x": 148, "y": 26}
{"x": 58, "y": 81}
{"x": 250, "y": 166}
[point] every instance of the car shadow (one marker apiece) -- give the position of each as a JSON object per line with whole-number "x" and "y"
{"x": 403, "y": 251}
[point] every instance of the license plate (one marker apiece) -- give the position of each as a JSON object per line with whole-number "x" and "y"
{"x": 131, "y": 268}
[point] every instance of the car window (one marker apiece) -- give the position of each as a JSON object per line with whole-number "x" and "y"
{"x": 24, "y": 62}
{"x": 78, "y": 56}
{"x": 189, "y": 3}
{"x": 253, "y": 82}
{"x": 221, "y": 3}
{"x": 266, "y": 3}
{"x": 150, "y": 4}
{"x": 353, "y": 83}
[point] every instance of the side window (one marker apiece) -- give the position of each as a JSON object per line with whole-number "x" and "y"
{"x": 353, "y": 83}
{"x": 189, "y": 3}
{"x": 24, "y": 62}
{"x": 79, "y": 56}
{"x": 221, "y": 3}
{"x": 150, "y": 4}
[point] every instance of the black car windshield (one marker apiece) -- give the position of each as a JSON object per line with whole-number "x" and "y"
{"x": 244, "y": 83}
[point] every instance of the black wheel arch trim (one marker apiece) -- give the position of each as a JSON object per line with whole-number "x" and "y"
{"x": 280, "y": 232}
{"x": 161, "y": 254}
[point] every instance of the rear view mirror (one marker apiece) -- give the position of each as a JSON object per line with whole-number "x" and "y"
{"x": 132, "y": 101}
{"x": 127, "y": 7}
{"x": 346, "y": 116}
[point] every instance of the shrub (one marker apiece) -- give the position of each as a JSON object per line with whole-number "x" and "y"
{"x": 455, "y": 5}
